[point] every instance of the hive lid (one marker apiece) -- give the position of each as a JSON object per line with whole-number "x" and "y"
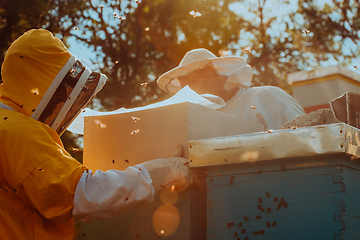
{"x": 321, "y": 139}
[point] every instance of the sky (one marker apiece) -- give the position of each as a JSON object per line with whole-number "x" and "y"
{"x": 85, "y": 54}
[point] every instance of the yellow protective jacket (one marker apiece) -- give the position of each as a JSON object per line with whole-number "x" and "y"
{"x": 38, "y": 180}
{"x": 38, "y": 177}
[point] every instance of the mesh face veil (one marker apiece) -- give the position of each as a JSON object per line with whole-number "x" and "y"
{"x": 72, "y": 89}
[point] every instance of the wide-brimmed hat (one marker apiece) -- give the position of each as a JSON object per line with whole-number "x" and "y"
{"x": 239, "y": 73}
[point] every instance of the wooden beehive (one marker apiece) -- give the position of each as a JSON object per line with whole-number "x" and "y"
{"x": 117, "y": 141}
{"x": 315, "y": 197}
{"x": 311, "y": 194}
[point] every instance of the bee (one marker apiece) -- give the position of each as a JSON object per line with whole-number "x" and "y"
{"x": 305, "y": 31}
{"x": 229, "y": 224}
{"x": 186, "y": 163}
{"x": 285, "y": 204}
{"x": 259, "y": 172}
{"x": 269, "y": 130}
{"x": 161, "y": 185}
{"x": 258, "y": 217}
{"x": 195, "y": 14}
{"x": 283, "y": 167}
{"x": 135, "y": 119}
{"x": 75, "y": 150}
{"x": 226, "y": 160}
{"x": 240, "y": 224}
{"x": 5, "y": 118}
{"x": 100, "y": 124}
{"x": 126, "y": 199}
{"x": 246, "y": 218}
{"x": 113, "y": 161}
{"x": 115, "y": 15}
{"x": 247, "y": 49}
{"x": 268, "y": 194}
{"x": 268, "y": 224}
{"x": 35, "y": 91}
{"x": 253, "y": 107}
{"x": 137, "y": 236}
{"x": 231, "y": 180}
{"x": 122, "y": 17}
{"x": 76, "y": 28}
{"x": 355, "y": 67}
{"x": 135, "y": 131}
{"x": 274, "y": 224}
{"x": 126, "y": 160}
{"x": 116, "y": 62}
{"x": 243, "y": 231}
{"x": 275, "y": 199}
{"x": 268, "y": 209}
{"x": 147, "y": 29}
{"x": 41, "y": 169}
{"x": 144, "y": 84}
{"x": 235, "y": 234}
{"x": 260, "y": 200}
{"x": 173, "y": 188}
{"x": 278, "y": 207}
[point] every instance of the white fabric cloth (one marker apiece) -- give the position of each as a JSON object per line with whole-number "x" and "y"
{"x": 238, "y": 71}
{"x": 102, "y": 195}
{"x": 268, "y": 105}
{"x": 186, "y": 94}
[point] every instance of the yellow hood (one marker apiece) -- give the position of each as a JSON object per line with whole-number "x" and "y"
{"x": 30, "y": 65}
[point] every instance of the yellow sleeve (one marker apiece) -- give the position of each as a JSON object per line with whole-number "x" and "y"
{"x": 38, "y": 168}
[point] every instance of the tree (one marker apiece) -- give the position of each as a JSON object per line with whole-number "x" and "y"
{"x": 137, "y": 41}
{"x": 152, "y": 39}
{"x": 57, "y": 16}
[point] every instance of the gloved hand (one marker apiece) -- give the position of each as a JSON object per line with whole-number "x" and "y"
{"x": 169, "y": 172}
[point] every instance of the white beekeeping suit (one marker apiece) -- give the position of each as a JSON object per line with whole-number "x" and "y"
{"x": 230, "y": 78}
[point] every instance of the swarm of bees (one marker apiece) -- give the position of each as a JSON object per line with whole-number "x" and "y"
{"x": 281, "y": 203}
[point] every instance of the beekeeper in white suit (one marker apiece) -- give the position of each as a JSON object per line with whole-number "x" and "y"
{"x": 42, "y": 188}
{"x": 230, "y": 78}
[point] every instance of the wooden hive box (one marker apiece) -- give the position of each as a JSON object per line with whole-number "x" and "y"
{"x": 314, "y": 196}
{"x": 117, "y": 141}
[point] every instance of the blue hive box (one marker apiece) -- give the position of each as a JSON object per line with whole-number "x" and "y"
{"x": 288, "y": 184}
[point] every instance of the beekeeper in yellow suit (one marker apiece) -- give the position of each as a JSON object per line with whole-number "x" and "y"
{"x": 229, "y": 78}
{"x": 43, "y": 189}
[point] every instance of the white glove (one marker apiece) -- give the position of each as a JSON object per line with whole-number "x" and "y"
{"x": 102, "y": 195}
{"x": 169, "y": 172}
